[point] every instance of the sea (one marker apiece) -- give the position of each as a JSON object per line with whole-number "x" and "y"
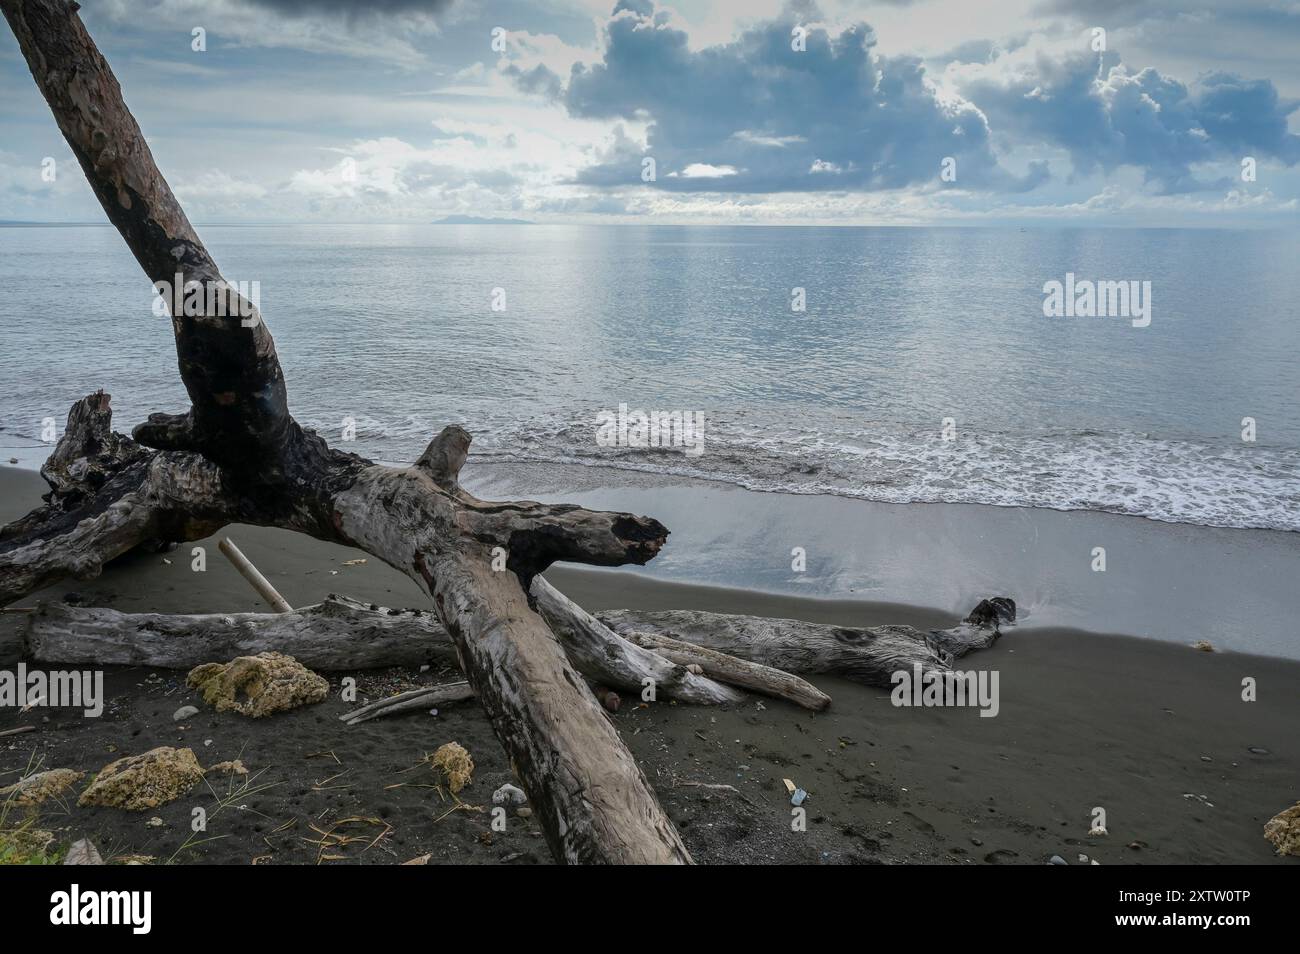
{"x": 897, "y": 365}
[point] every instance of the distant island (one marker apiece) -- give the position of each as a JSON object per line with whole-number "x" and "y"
{"x": 475, "y": 220}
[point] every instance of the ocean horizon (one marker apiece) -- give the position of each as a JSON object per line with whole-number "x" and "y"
{"x": 922, "y": 368}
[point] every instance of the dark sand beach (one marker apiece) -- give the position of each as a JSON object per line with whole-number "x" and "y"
{"x": 1154, "y": 732}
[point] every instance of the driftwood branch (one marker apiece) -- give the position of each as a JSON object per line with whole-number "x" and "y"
{"x": 424, "y": 698}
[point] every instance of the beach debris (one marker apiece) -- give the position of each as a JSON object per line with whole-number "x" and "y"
{"x": 269, "y": 682}
{"x": 357, "y": 562}
{"x": 523, "y": 811}
{"x": 83, "y": 852}
{"x": 1204, "y": 645}
{"x": 1096, "y": 831}
{"x": 798, "y": 798}
{"x": 1057, "y": 860}
{"x": 455, "y": 764}
{"x": 991, "y": 612}
{"x": 231, "y": 768}
{"x": 339, "y": 836}
{"x": 1283, "y": 831}
{"x": 695, "y": 669}
{"x": 1204, "y": 800}
{"x": 154, "y": 822}
{"x": 610, "y": 700}
{"x": 253, "y": 576}
{"x": 139, "y": 782}
{"x": 132, "y": 860}
{"x": 509, "y": 794}
{"x": 1258, "y": 750}
{"x": 35, "y": 789}
{"x": 18, "y": 731}
{"x": 185, "y": 712}
{"x": 419, "y": 860}
{"x": 409, "y": 700}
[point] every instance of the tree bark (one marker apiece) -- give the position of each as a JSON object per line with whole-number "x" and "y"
{"x": 869, "y": 655}
{"x": 337, "y": 635}
{"x": 238, "y": 455}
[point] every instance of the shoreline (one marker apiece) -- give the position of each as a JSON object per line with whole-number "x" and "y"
{"x": 927, "y": 565}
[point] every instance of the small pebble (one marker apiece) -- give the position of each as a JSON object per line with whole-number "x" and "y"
{"x": 184, "y": 712}
{"x": 1058, "y": 860}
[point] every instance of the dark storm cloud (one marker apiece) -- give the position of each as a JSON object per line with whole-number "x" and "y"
{"x": 836, "y": 116}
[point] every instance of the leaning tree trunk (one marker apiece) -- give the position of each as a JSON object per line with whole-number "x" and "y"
{"x": 238, "y": 455}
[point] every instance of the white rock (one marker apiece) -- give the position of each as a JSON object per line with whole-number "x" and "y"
{"x": 509, "y": 794}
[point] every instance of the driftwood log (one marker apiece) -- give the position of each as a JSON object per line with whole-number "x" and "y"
{"x": 237, "y": 455}
{"x": 343, "y": 634}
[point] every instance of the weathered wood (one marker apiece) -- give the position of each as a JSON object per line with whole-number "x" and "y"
{"x": 427, "y": 697}
{"x": 736, "y": 671}
{"x": 611, "y": 660}
{"x": 338, "y": 634}
{"x": 870, "y": 655}
{"x": 253, "y": 575}
{"x": 107, "y": 496}
{"x": 249, "y": 461}
{"x": 345, "y": 634}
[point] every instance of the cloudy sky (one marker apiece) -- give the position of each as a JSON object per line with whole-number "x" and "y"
{"x": 762, "y": 111}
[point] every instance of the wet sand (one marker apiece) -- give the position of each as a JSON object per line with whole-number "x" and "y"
{"x": 1154, "y": 732}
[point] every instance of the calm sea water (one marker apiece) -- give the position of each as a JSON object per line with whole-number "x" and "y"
{"x": 393, "y": 327}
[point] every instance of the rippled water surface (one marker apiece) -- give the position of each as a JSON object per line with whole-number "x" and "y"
{"x": 393, "y": 327}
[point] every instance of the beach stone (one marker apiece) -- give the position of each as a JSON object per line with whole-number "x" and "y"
{"x": 1058, "y": 860}
{"x": 35, "y": 789}
{"x": 455, "y": 764}
{"x": 509, "y": 794}
{"x": 991, "y": 612}
{"x": 185, "y": 712}
{"x": 267, "y": 683}
{"x": 1258, "y": 750}
{"x": 227, "y": 768}
{"x": 141, "y": 782}
{"x": 1283, "y": 831}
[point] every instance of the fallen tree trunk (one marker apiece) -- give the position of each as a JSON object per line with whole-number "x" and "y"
{"x": 339, "y": 634}
{"x": 869, "y": 655}
{"x": 237, "y": 455}
{"x": 345, "y": 634}
{"x": 736, "y": 671}
{"x": 621, "y": 664}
